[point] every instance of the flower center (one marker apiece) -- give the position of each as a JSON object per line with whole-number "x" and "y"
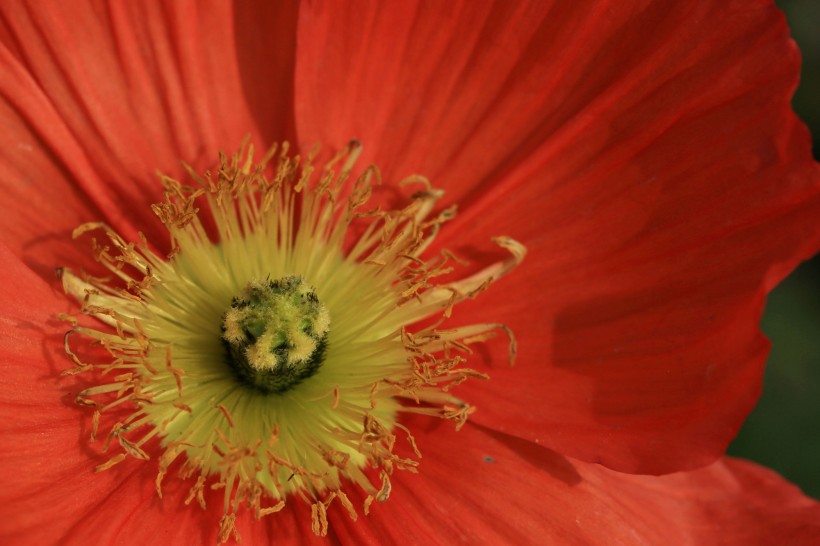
{"x": 276, "y": 333}
{"x": 212, "y": 363}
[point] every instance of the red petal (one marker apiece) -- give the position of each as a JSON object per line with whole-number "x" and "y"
{"x": 478, "y": 487}
{"x": 45, "y": 467}
{"x": 440, "y": 89}
{"x": 645, "y": 153}
{"x": 639, "y": 312}
{"x": 41, "y": 204}
{"x": 131, "y": 514}
{"x": 106, "y": 94}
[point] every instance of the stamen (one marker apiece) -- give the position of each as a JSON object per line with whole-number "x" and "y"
{"x": 224, "y": 349}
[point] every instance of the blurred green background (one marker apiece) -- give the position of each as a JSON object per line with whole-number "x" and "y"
{"x": 783, "y": 432}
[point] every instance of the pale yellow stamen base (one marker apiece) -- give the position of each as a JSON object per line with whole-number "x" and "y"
{"x": 281, "y": 217}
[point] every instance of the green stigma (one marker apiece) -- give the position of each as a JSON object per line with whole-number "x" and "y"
{"x": 275, "y": 333}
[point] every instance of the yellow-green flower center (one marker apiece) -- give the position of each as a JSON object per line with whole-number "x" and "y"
{"x": 242, "y": 380}
{"x": 275, "y": 333}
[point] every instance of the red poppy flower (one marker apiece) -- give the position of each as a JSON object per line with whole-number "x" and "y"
{"x": 644, "y": 153}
